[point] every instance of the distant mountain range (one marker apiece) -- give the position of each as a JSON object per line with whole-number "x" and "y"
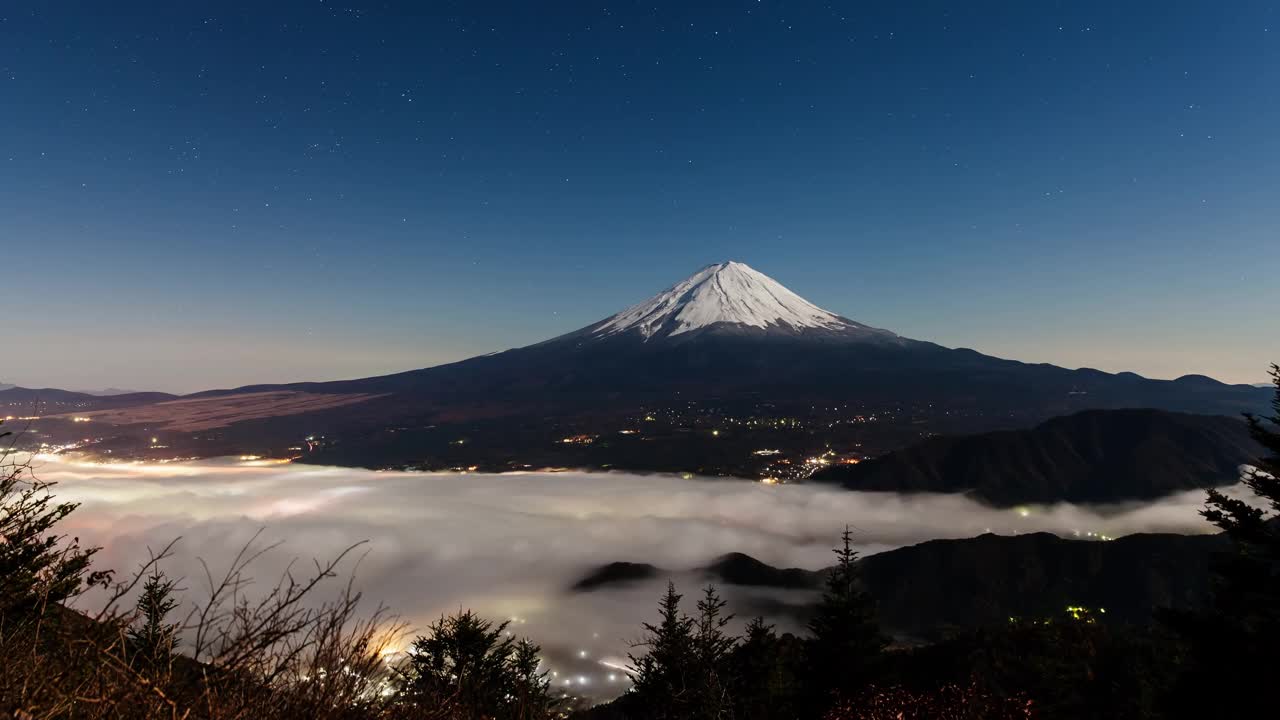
{"x": 941, "y": 584}
{"x": 49, "y": 401}
{"x": 1089, "y": 457}
{"x": 728, "y": 340}
{"x": 108, "y": 392}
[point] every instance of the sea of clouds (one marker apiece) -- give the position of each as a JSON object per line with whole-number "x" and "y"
{"x": 510, "y": 545}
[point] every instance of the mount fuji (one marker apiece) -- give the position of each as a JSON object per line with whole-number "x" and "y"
{"x": 727, "y": 339}
{"x": 730, "y": 333}
{"x": 730, "y": 298}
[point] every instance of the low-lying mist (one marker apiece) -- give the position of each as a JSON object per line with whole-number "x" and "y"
{"x": 509, "y": 546}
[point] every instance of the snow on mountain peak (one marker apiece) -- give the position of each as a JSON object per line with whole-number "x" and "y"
{"x": 731, "y": 293}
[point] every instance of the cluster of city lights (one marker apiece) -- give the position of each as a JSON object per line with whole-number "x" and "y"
{"x": 579, "y": 440}
{"x": 782, "y": 469}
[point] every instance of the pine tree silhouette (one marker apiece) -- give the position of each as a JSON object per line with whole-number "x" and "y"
{"x": 660, "y": 677}
{"x": 38, "y": 567}
{"x": 846, "y": 640}
{"x": 154, "y": 637}
{"x": 1233, "y": 644}
{"x": 711, "y": 648}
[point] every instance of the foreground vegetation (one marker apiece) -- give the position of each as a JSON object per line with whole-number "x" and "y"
{"x": 280, "y": 653}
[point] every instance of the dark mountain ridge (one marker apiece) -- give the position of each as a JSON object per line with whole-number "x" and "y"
{"x": 730, "y": 331}
{"x": 971, "y": 582}
{"x": 1089, "y": 457}
{"x": 713, "y": 365}
{"x": 728, "y": 338}
{"x": 987, "y": 579}
{"x": 53, "y": 400}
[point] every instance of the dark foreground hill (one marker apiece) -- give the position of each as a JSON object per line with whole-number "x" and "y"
{"x": 987, "y": 579}
{"x": 1089, "y": 457}
{"x": 978, "y": 581}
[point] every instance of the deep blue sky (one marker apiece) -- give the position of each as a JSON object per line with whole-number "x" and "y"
{"x": 200, "y": 194}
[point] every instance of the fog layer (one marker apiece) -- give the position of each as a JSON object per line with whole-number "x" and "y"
{"x": 510, "y": 545}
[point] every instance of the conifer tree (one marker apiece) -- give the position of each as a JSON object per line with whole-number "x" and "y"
{"x": 1250, "y": 582}
{"x": 764, "y": 673}
{"x": 532, "y": 688}
{"x": 460, "y": 667}
{"x": 154, "y": 637}
{"x": 846, "y": 640}
{"x": 711, "y": 648}
{"x": 38, "y": 567}
{"x": 661, "y": 676}
{"x": 1233, "y": 644}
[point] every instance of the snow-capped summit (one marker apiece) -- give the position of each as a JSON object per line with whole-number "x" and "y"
{"x": 728, "y": 296}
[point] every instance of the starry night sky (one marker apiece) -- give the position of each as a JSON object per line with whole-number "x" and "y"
{"x": 206, "y": 194}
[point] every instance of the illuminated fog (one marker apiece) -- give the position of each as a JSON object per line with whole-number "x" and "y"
{"x": 510, "y": 545}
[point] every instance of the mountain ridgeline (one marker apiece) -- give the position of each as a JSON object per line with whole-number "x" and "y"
{"x": 727, "y": 342}
{"x": 926, "y": 588}
{"x": 17, "y": 400}
{"x": 729, "y": 332}
{"x": 1089, "y": 457}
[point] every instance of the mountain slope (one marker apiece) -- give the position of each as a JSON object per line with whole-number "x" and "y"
{"x": 615, "y": 574}
{"x": 987, "y": 579}
{"x": 1092, "y": 456}
{"x": 727, "y": 338}
{"x": 742, "y": 569}
{"x": 46, "y": 401}
{"x": 732, "y": 297}
{"x": 729, "y": 331}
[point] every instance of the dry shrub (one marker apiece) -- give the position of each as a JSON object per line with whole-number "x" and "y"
{"x": 245, "y": 653}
